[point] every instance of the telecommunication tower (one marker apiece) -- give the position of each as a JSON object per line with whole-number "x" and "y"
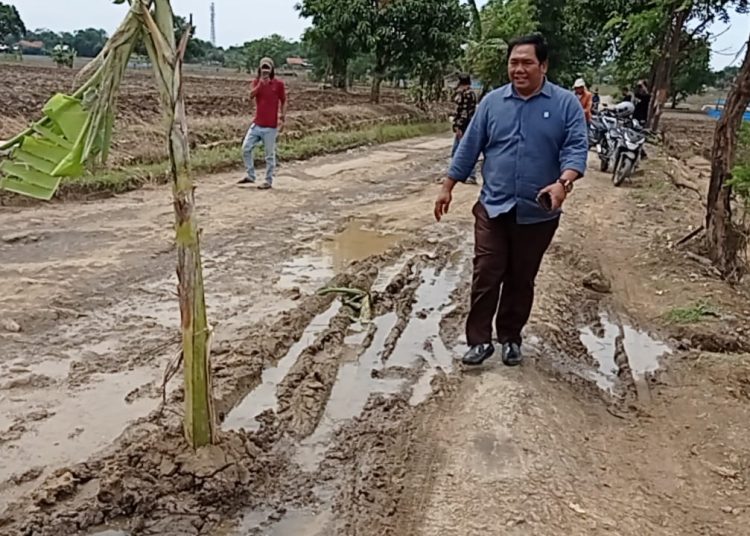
{"x": 213, "y": 23}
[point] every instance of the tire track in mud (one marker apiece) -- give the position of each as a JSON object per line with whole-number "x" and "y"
{"x": 101, "y": 338}
{"x": 152, "y": 450}
{"x": 317, "y": 461}
{"x": 371, "y": 398}
{"x": 336, "y": 417}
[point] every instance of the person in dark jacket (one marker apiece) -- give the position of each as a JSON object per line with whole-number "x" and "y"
{"x": 643, "y": 102}
{"x": 466, "y": 106}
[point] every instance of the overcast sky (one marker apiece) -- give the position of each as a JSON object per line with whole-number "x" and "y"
{"x": 238, "y": 21}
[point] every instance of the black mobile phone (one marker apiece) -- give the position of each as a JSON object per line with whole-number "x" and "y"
{"x": 545, "y": 201}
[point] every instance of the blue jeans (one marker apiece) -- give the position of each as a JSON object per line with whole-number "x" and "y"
{"x": 456, "y": 143}
{"x": 255, "y": 136}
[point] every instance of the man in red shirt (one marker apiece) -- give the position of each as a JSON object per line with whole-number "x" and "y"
{"x": 270, "y": 111}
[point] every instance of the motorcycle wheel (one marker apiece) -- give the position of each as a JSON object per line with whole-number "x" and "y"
{"x": 604, "y": 164}
{"x": 622, "y": 172}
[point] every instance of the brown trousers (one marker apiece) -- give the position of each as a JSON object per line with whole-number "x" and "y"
{"x": 506, "y": 255}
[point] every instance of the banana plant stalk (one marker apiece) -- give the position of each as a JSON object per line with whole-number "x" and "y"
{"x": 167, "y": 58}
{"x": 77, "y": 130}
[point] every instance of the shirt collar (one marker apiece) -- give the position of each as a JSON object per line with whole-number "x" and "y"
{"x": 546, "y": 90}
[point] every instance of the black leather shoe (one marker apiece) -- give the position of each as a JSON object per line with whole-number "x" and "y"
{"x": 478, "y": 354}
{"x": 512, "y": 356}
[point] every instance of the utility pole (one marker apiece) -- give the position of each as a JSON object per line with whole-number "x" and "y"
{"x": 213, "y": 23}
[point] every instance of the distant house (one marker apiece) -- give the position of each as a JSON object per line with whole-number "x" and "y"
{"x": 31, "y": 47}
{"x": 38, "y": 45}
{"x": 295, "y": 62}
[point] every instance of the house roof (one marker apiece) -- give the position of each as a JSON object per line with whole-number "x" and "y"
{"x": 296, "y": 61}
{"x": 23, "y": 43}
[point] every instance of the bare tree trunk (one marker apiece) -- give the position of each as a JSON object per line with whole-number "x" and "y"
{"x": 725, "y": 241}
{"x": 670, "y": 55}
{"x": 199, "y": 421}
{"x": 340, "y": 76}
{"x": 377, "y": 80}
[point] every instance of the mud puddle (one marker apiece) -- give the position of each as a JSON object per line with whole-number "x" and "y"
{"x": 421, "y": 339}
{"x": 78, "y": 424}
{"x": 264, "y": 397}
{"x": 357, "y": 241}
{"x": 287, "y": 522}
{"x": 398, "y": 354}
{"x": 383, "y": 368}
{"x": 353, "y": 387}
{"x": 607, "y": 341}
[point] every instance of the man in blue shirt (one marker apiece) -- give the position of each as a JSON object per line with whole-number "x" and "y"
{"x": 533, "y": 137}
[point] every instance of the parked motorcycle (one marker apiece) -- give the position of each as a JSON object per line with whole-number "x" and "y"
{"x": 627, "y": 141}
{"x": 600, "y": 125}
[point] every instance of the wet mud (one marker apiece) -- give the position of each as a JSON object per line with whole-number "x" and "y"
{"x": 335, "y": 426}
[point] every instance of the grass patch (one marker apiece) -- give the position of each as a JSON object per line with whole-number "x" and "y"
{"x": 691, "y": 314}
{"x": 228, "y": 157}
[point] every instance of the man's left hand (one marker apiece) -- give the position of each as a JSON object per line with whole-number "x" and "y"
{"x": 557, "y": 194}
{"x": 280, "y": 128}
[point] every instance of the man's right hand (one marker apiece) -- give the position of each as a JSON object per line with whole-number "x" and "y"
{"x": 459, "y": 133}
{"x": 443, "y": 203}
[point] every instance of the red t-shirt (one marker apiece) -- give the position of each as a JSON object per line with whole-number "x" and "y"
{"x": 267, "y": 101}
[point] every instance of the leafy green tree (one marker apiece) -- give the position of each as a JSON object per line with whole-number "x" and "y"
{"x": 248, "y": 56}
{"x": 316, "y": 55}
{"x": 476, "y": 21}
{"x": 419, "y": 37}
{"x": 646, "y": 38}
{"x": 340, "y": 31}
{"x": 693, "y": 70}
{"x": 433, "y": 43}
{"x": 12, "y": 28}
{"x": 89, "y": 42}
{"x": 501, "y": 21}
{"x": 724, "y": 78}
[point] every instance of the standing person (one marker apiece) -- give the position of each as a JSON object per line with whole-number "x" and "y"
{"x": 584, "y": 97}
{"x": 596, "y": 101}
{"x": 270, "y": 112}
{"x": 534, "y": 140}
{"x": 626, "y": 95}
{"x": 466, "y": 105}
{"x": 642, "y": 103}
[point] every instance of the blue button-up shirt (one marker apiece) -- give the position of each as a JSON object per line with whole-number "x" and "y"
{"x": 527, "y": 144}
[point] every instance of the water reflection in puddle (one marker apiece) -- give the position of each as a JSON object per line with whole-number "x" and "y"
{"x": 356, "y": 242}
{"x": 642, "y": 350}
{"x": 294, "y": 522}
{"x": 263, "y": 397}
{"x": 602, "y": 349}
{"x": 353, "y": 387}
{"x": 89, "y": 419}
{"x": 421, "y": 338}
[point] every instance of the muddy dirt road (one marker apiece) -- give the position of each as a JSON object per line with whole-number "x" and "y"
{"x": 618, "y": 424}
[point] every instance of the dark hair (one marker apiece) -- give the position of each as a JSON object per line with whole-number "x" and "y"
{"x": 464, "y": 79}
{"x": 540, "y": 45}
{"x": 626, "y": 88}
